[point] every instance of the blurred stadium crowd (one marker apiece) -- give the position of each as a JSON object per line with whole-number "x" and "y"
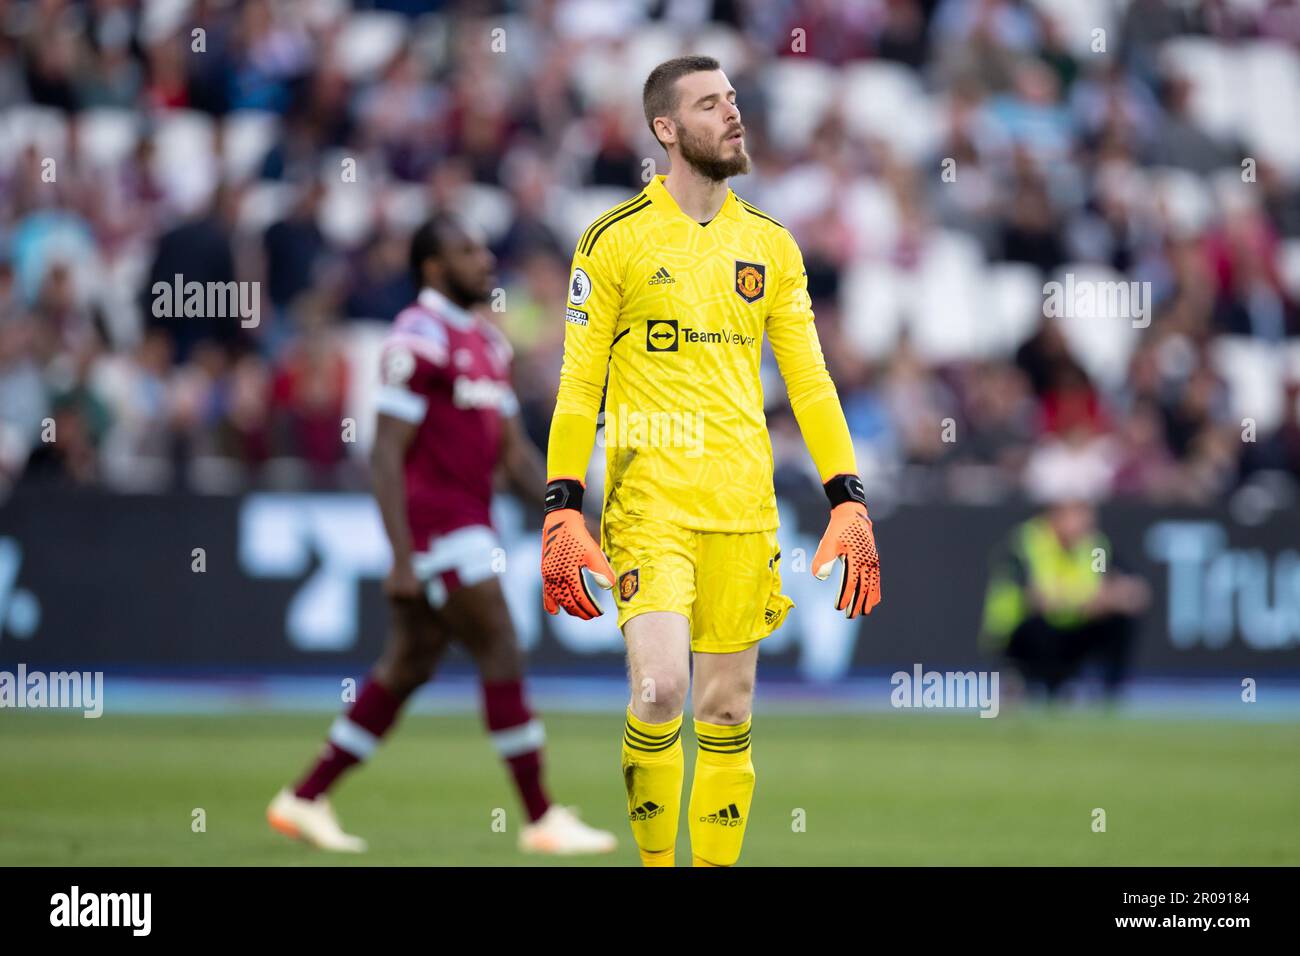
{"x": 939, "y": 161}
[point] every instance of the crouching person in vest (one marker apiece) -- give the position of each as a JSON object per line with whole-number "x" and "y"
{"x": 1057, "y": 601}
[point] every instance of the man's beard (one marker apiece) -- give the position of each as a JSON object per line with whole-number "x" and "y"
{"x": 705, "y": 158}
{"x": 464, "y": 295}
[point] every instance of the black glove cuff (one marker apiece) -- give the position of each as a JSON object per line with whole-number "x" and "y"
{"x": 563, "y": 493}
{"x": 844, "y": 488}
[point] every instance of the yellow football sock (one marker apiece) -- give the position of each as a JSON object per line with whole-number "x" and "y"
{"x": 721, "y": 793}
{"x": 653, "y": 768}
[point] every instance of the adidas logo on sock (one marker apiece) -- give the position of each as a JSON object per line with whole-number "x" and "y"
{"x": 662, "y": 277}
{"x": 728, "y": 816}
{"x": 646, "y": 811}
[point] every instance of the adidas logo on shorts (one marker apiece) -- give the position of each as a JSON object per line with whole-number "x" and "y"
{"x": 646, "y": 811}
{"x": 728, "y": 816}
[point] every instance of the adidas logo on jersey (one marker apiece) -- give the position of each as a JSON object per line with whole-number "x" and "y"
{"x": 646, "y": 811}
{"x": 728, "y": 816}
{"x": 662, "y": 277}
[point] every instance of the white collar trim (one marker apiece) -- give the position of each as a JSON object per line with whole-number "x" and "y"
{"x": 434, "y": 301}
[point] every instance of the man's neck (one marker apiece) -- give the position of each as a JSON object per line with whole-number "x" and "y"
{"x": 697, "y": 196}
{"x": 462, "y": 312}
{"x": 446, "y": 294}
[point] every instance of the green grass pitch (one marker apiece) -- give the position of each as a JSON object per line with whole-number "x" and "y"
{"x": 882, "y": 789}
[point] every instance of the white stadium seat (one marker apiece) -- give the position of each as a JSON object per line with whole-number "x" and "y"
{"x": 1239, "y": 93}
{"x": 1014, "y": 292}
{"x": 945, "y": 309}
{"x": 488, "y": 206}
{"x": 799, "y": 93}
{"x": 599, "y": 20}
{"x": 368, "y": 41}
{"x": 162, "y": 18}
{"x": 263, "y": 203}
{"x": 798, "y": 194}
{"x": 886, "y": 101}
{"x": 1212, "y": 70}
{"x": 724, "y": 44}
{"x": 871, "y": 308}
{"x": 347, "y": 215}
{"x": 1077, "y": 20}
{"x": 40, "y": 126}
{"x": 870, "y": 208}
{"x": 647, "y": 47}
{"x": 107, "y": 136}
{"x": 1269, "y": 102}
{"x": 602, "y": 78}
{"x": 1253, "y": 370}
{"x": 183, "y": 158}
{"x": 1184, "y": 197}
{"x": 405, "y": 205}
{"x": 1100, "y": 337}
{"x": 247, "y": 136}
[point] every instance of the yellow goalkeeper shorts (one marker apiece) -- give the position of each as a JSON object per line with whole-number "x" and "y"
{"x": 727, "y": 585}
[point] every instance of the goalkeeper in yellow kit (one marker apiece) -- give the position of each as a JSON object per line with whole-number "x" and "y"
{"x": 671, "y": 295}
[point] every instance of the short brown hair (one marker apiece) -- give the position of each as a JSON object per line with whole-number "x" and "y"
{"x": 659, "y": 97}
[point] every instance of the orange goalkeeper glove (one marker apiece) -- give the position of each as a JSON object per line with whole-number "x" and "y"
{"x": 567, "y": 548}
{"x": 850, "y": 538}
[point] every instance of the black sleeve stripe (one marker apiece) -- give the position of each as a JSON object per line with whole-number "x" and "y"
{"x": 756, "y": 211}
{"x": 619, "y": 336}
{"x": 761, "y": 215}
{"x": 591, "y": 244}
{"x": 605, "y": 215}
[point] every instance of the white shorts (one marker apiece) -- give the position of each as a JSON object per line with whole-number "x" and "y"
{"x": 458, "y": 559}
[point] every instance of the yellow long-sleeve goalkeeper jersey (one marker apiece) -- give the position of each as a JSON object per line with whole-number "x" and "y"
{"x": 676, "y": 312}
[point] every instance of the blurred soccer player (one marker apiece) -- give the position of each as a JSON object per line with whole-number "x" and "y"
{"x": 671, "y": 295}
{"x": 448, "y": 420}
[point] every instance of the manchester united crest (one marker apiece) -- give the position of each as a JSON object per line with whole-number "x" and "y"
{"x": 750, "y": 278}
{"x": 629, "y": 582}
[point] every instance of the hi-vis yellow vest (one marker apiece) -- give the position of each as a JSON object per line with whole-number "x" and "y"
{"x": 1069, "y": 577}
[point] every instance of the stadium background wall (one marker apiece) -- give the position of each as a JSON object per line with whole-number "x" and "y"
{"x": 290, "y": 582}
